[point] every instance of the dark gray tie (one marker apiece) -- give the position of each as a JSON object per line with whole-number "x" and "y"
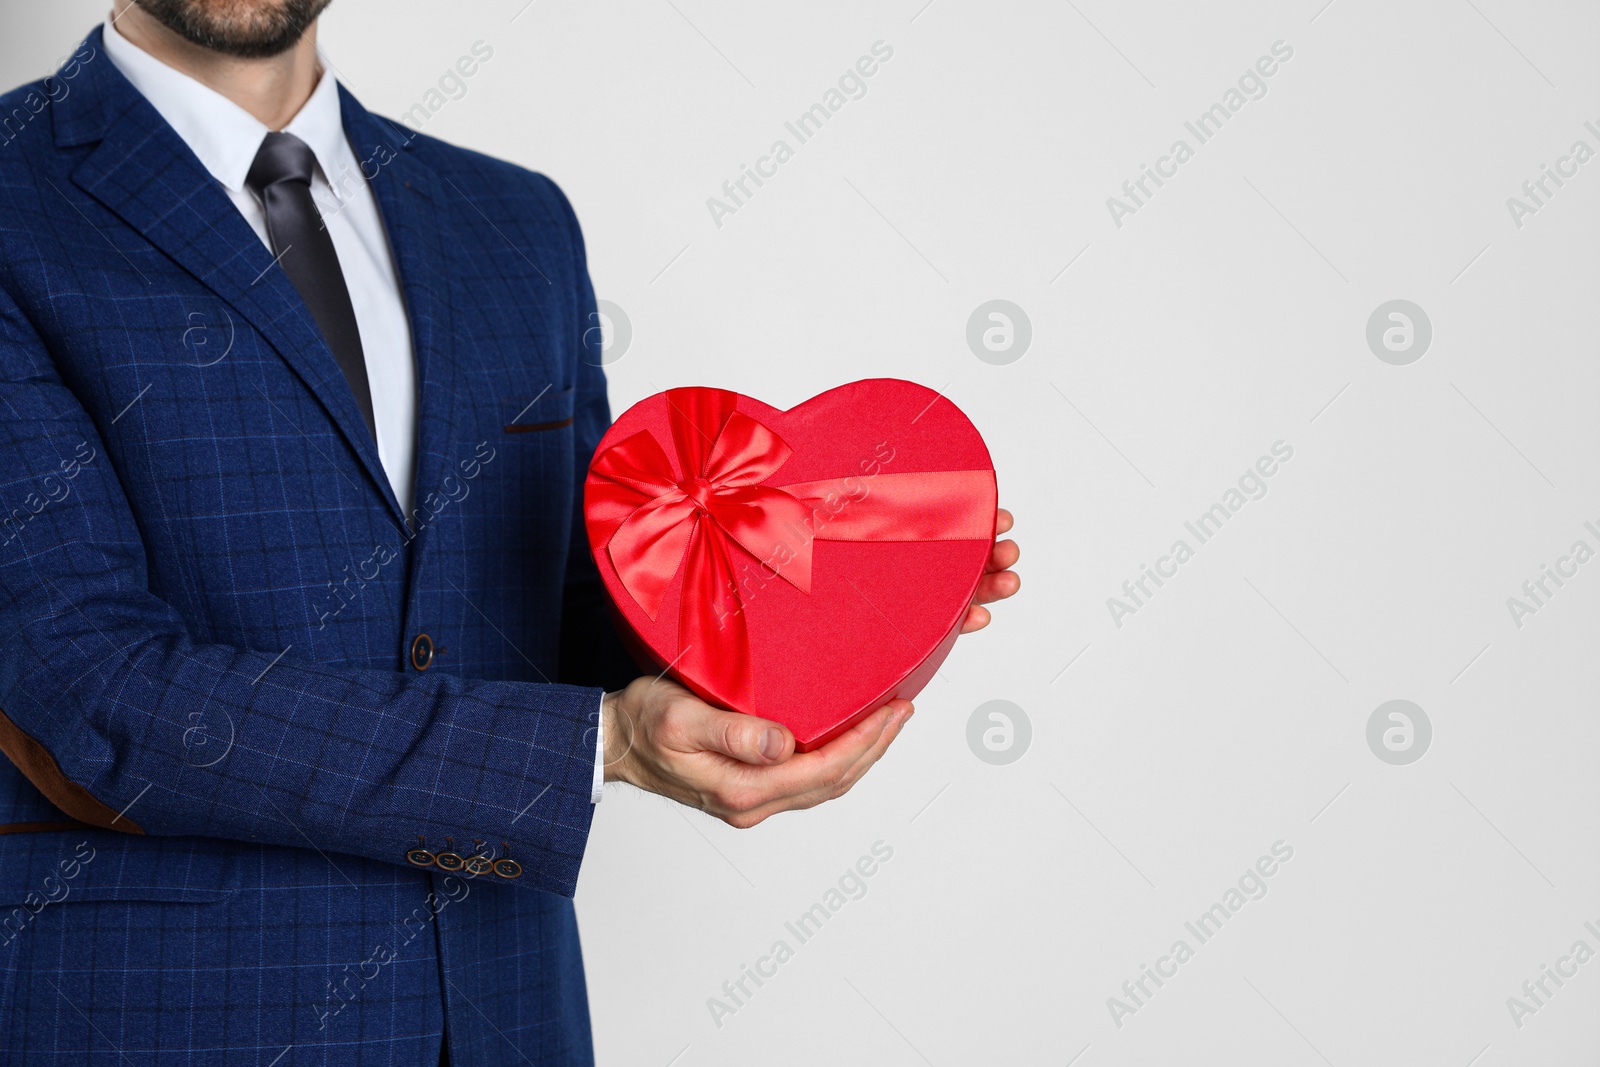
{"x": 281, "y": 177}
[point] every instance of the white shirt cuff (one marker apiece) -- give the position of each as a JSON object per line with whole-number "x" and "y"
{"x": 597, "y": 786}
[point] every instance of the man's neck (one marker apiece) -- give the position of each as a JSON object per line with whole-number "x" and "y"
{"x": 272, "y": 89}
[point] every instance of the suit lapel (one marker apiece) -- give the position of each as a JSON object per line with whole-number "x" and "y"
{"x": 143, "y": 172}
{"x": 418, "y": 224}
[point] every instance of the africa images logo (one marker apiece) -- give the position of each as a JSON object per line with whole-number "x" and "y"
{"x": 1252, "y": 85}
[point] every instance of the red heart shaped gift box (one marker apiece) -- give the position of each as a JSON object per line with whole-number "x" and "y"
{"x": 805, "y": 566}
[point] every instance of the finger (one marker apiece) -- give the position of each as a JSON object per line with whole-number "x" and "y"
{"x": 897, "y": 723}
{"x": 851, "y": 776}
{"x": 1003, "y": 521}
{"x": 899, "y": 712}
{"x": 977, "y": 618}
{"x": 742, "y": 737}
{"x": 1004, "y": 556}
{"x": 807, "y": 772}
{"x": 992, "y": 587}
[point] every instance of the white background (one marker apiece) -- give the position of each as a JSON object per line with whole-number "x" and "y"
{"x": 1227, "y": 314}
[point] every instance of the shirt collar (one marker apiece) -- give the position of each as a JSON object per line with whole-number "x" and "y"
{"x": 224, "y": 136}
{"x": 320, "y": 124}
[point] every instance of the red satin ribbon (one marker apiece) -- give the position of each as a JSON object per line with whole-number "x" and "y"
{"x": 655, "y": 522}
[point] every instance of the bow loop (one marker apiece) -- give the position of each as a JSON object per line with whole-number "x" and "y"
{"x": 637, "y": 462}
{"x": 745, "y": 453}
{"x": 668, "y": 522}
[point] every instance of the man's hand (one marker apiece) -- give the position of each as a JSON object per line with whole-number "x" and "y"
{"x": 663, "y": 739}
{"x": 999, "y": 580}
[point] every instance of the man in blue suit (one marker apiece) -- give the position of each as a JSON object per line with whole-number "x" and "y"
{"x": 304, "y": 693}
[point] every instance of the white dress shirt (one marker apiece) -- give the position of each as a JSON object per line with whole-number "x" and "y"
{"x": 225, "y": 138}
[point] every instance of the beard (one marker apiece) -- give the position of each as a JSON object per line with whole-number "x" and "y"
{"x": 249, "y": 29}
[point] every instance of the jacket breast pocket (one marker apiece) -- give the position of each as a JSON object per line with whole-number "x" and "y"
{"x": 548, "y": 412}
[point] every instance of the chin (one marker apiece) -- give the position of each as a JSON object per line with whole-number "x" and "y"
{"x": 249, "y": 29}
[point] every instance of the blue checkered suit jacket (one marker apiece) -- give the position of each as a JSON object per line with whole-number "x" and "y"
{"x": 248, "y": 806}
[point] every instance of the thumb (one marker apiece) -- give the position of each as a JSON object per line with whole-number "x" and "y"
{"x": 742, "y": 737}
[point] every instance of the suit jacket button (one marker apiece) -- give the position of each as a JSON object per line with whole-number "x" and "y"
{"x": 507, "y": 868}
{"x": 422, "y": 652}
{"x": 420, "y": 857}
{"x": 449, "y": 861}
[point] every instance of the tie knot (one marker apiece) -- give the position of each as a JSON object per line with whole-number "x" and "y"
{"x": 283, "y": 157}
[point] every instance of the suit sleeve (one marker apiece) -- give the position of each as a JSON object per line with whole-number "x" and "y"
{"x": 124, "y": 720}
{"x": 591, "y": 651}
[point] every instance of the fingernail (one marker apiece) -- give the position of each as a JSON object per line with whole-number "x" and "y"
{"x": 772, "y": 742}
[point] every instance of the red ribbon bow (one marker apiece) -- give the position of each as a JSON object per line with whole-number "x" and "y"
{"x": 659, "y": 534}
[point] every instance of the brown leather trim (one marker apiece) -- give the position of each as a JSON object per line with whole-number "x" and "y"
{"x": 40, "y": 768}
{"x": 42, "y": 827}
{"x": 532, "y": 427}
